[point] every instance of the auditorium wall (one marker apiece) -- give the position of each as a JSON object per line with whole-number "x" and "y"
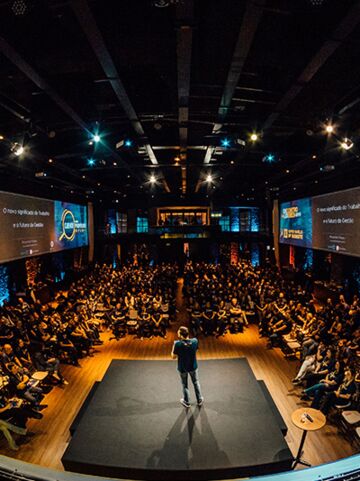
{"x": 54, "y": 269}
{"x": 337, "y": 270}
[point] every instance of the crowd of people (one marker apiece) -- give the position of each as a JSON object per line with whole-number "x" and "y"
{"x": 221, "y": 298}
{"x": 218, "y": 297}
{"x": 330, "y": 352}
{"x": 35, "y": 338}
{"x": 138, "y": 299}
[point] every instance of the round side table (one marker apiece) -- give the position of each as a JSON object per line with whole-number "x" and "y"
{"x": 307, "y": 419}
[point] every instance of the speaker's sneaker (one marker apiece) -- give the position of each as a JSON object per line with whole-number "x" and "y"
{"x": 184, "y": 403}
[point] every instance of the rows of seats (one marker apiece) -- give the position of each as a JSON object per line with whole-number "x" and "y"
{"x": 36, "y": 337}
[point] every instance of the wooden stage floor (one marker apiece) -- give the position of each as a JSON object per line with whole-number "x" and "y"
{"x": 50, "y": 436}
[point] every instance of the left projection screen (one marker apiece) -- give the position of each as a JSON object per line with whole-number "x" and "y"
{"x": 32, "y": 226}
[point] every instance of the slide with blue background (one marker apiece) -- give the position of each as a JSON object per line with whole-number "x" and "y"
{"x": 296, "y": 224}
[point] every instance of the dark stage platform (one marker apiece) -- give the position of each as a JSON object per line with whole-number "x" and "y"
{"x": 134, "y": 426}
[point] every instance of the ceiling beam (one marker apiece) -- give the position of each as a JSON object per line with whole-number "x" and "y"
{"x": 88, "y": 23}
{"x": 28, "y": 172}
{"x": 8, "y": 51}
{"x": 248, "y": 28}
{"x": 344, "y": 29}
{"x": 184, "y": 17}
{"x": 11, "y": 54}
{"x": 20, "y": 116}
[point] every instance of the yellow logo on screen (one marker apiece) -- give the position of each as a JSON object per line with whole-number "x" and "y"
{"x": 291, "y": 212}
{"x": 68, "y": 225}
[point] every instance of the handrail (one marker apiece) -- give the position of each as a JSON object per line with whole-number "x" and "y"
{"x": 21, "y": 470}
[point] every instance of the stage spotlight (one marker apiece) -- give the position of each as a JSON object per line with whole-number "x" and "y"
{"x": 152, "y": 179}
{"x": 329, "y": 128}
{"x": 18, "y": 149}
{"x": 254, "y": 137}
{"x": 209, "y": 178}
{"x": 2, "y": 137}
{"x": 124, "y": 143}
{"x": 91, "y": 162}
{"x": 327, "y": 168}
{"x": 19, "y": 7}
{"x": 225, "y": 143}
{"x": 347, "y": 144}
{"x": 96, "y": 138}
{"x": 269, "y": 158}
{"x": 161, "y": 3}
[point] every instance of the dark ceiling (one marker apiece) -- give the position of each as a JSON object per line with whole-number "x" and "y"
{"x": 176, "y": 77}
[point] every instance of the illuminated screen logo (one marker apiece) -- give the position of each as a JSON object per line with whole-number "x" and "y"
{"x": 70, "y": 226}
{"x": 291, "y": 212}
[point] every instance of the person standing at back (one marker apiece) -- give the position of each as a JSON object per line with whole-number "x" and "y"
{"x": 185, "y": 351}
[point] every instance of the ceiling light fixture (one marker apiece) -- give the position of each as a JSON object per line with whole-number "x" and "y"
{"x": 254, "y": 137}
{"x": 209, "y": 178}
{"x": 19, "y": 7}
{"x": 17, "y": 149}
{"x": 269, "y": 158}
{"x": 347, "y": 144}
{"x": 225, "y": 143}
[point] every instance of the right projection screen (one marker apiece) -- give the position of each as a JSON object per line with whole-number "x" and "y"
{"x": 329, "y": 222}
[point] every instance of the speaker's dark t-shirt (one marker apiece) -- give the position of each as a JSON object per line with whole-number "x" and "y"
{"x": 186, "y": 352}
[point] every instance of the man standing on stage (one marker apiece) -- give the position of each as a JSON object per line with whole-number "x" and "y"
{"x": 185, "y": 350}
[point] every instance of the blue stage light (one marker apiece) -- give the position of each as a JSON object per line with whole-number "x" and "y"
{"x": 269, "y": 158}
{"x": 225, "y": 143}
{"x": 96, "y": 138}
{"x": 91, "y": 162}
{"x": 128, "y": 143}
